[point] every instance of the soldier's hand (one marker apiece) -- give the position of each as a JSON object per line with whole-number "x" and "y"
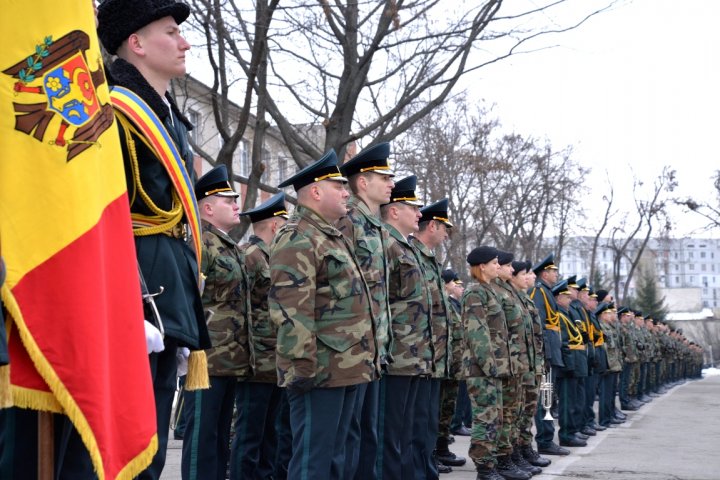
{"x": 153, "y": 338}
{"x": 301, "y": 385}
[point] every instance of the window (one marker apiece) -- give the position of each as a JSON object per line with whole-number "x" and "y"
{"x": 703, "y": 267}
{"x": 677, "y": 267}
{"x": 244, "y": 152}
{"x": 194, "y": 117}
{"x": 702, "y": 254}
{"x": 691, "y": 266}
{"x": 282, "y": 168}
{"x": 266, "y": 160}
{"x": 692, "y": 279}
{"x": 690, "y": 254}
{"x": 677, "y": 279}
{"x": 675, "y": 255}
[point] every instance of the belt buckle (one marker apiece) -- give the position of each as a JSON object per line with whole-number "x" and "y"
{"x": 179, "y": 231}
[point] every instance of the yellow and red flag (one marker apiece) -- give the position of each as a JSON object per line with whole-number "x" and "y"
{"x": 75, "y": 324}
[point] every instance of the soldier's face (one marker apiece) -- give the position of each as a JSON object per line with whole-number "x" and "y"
{"x": 163, "y": 48}
{"x": 505, "y": 271}
{"x": 441, "y": 232}
{"x": 408, "y": 218}
{"x": 333, "y": 199}
{"x": 379, "y": 187}
{"x": 224, "y": 212}
{"x": 531, "y": 278}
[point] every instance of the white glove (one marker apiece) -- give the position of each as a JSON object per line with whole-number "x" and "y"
{"x": 153, "y": 338}
{"x": 182, "y": 356}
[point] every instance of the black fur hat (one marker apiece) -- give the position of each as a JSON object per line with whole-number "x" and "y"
{"x": 118, "y": 19}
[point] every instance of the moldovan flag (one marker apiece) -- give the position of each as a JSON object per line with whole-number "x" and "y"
{"x": 75, "y": 324}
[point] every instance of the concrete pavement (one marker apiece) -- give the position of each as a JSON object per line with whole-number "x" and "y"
{"x": 675, "y": 437}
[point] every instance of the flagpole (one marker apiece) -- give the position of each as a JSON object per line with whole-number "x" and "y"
{"x": 46, "y": 446}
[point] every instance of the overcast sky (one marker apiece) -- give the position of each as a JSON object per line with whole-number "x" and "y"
{"x": 632, "y": 90}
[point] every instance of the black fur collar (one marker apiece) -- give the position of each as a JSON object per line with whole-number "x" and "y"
{"x": 124, "y": 74}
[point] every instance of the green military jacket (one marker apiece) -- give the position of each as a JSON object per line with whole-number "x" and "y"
{"x": 478, "y": 303}
{"x": 409, "y": 295}
{"x": 533, "y": 335}
{"x": 440, "y": 319}
{"x": 263, "y": 331}
{"x": 611, "y": 342}
{"x": 321, "y": 306}
{"x": 225, "y": 296}
{"x": 483, "y": 300}
{"x": 369, "y": 239}
{"x": 629, "y": 343}
{"x": 517, "y": 340}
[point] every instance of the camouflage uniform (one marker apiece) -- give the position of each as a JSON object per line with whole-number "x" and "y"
{"x": 207, "y": 433}
{"x": 485, "y": 363}
{"x": 368, "y": 239}
{"x": 258, "y": 400}
{"x": 608, "y": 380}
{"x": 630, "y": 363}
{"x": 517, "y": 344}
{"x": 530, "y": 380}
{"x": 412, "y": 352}
{"x": 319, "y": 302}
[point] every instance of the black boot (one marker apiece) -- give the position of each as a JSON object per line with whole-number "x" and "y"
{"x": 445, "y": 456}
{"x": 487, "y": 473}
{"x": 523, "y": 464}
{"x": 509, "y": 471}
{"x": 533, "y": 457}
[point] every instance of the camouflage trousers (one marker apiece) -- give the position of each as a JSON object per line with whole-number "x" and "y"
{"x": 448, "y": 398}
{"x": 486, "y": 397}
{"x": 530, "y": 403}
{"x": 513, "y": 402}
{"x": 634, "y": 379}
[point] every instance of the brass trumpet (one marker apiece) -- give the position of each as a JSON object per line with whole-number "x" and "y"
{"x": 546, "y": 397}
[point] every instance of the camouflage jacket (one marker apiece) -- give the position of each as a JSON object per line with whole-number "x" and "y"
{"x": 629, "y": 343}
{"x": 645, "y": 344}
{"x": 440, "y": 318}
{"x": 320, "y": 304}
{"x": 457, "y": 337}
{"x": 263, "y": 331}
{"x": 411, "y": 348}
{"x": 611, "y": 343}
{"x": 486, "y": 337}
{"x": 225, "y": 296}
{"x": 369, "y": 239}
{"x": 550, "y": 320}
{"x": 516, "y": 334}
{"x": 533, "y": 334}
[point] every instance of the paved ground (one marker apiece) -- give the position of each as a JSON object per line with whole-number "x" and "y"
{"x": 675, "y": 437}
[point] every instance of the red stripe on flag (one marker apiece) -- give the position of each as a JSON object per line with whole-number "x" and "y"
{"x": 82, "y": 307}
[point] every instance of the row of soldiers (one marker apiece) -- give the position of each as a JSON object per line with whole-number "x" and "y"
{"x": 340, "y": 341}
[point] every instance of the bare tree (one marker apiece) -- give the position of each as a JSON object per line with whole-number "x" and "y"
{"x": 359, "y": 69}
{"x": 709, "y": 210}
{"x": 608, "y": 199}
{"x": 628, "y": 240}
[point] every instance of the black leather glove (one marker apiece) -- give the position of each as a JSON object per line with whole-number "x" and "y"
{"x": 301, "y": 385}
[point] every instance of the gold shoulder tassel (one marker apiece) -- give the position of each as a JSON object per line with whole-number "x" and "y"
{"x": 197, "y": 375}
{"x": 5, "y": 395}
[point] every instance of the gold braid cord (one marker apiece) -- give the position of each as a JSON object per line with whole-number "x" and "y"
{"x": 162, "y": 220}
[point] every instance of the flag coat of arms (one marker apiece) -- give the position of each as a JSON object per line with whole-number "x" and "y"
{"x": 75, "y": 321}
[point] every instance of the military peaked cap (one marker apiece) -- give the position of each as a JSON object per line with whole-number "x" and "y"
{"x": 603, "y": 307}
{"x": 582, "y": 284}
{"x": 436, "y": 211}
{"x": 548, "y": 263}
{"x": 214, "y": 182}
{"x": 601, "y": 294}
{"x": 623, "y": 311}
{"x": 371, "y": 159}
{"x": 480, "y": 255}
{"x": 324, "y": 169}
{"x": 572, "y": 282}
{"x": 404, "y": 191}
{"x": 270, "y": 208}
{"x": 560, "y": 288}
{"x": 505, "y": 257}
{"x": 118, "y": 19}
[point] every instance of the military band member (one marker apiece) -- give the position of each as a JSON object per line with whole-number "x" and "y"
{"x": 320, "y": 303}
{"x": 546, "y": 276}
{"x": 259, "y": 398}
{"x": 599, "y": 365}
{"x": 145, "y": 37}
{"x": 577, "y": 316}
{"x": 370, "y": 180}
{"x": 433, "y": 231}
{"x": 411, "y": 348}
{"x": 209, "y": 412}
